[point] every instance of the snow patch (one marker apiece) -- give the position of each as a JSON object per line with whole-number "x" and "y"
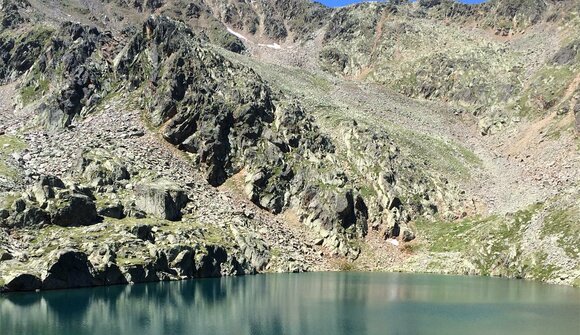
{"x": 394, "y": 242}
{"x": 238, "y": 35}
{"x": 271, "y": 46}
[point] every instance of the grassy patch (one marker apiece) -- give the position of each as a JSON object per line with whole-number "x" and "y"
{"x": 9, "y": 145}
{"x": 444, "y": 236}
{"x": 30, "y": 93}
{"x": 564, "y": 223}
{"x": 541, "y": 269}
{"x": 549, "y": 84}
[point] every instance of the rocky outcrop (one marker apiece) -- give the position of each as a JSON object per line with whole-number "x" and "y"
{"x": 23, "y": 282}
{"x": 68, "y": 269}
{"x": 10, "y": 16}
{"x": 49, "y": 202}
{"x": 244, "y": 126}
{"x": 18, "y": 53}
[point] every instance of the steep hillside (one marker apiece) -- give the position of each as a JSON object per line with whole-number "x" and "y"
{"x": 164, "y": 140}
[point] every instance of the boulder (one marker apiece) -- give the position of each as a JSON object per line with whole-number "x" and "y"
{"x": 5, "y": 255}
{"x": 161, "y": 199}
{"x": 139, "y": 273}
{"x": 407, "y": 234}
{"x": 75, "y": 210}
{"x": 344, "y": 208}
{"x": 102, "y": 171}
{"x": 29, "y": 217}
{"x": 110, "y": 274}
{"x": 68, "y": 269}
{"x": 115, "y": 211}
{"x": 143, "y": 232}
{"x": 210, "y": 264}
{"x": 184, "y": 263}
{"x": 23, "y": 282}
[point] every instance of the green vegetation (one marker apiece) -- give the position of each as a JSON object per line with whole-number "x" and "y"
{"x": 547, "y": 88}
{"x": 564, "y": 223}
{"x": 30, "y": 93}
{"x": 8, "y": 145}
{"x": 539, "y": 268}
{"x": 459, "y": 236}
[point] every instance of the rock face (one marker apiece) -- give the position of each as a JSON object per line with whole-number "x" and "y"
{"x": 228, "y": 127}
{"x": 69, "y": 269}
{"x": 162, "y": 200}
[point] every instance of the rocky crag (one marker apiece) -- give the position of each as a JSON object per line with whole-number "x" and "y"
{"x": 163, "y": 140}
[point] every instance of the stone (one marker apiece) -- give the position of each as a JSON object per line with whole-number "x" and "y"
{"x": 407, "y": 235}
{"x": 143, "y": 232}
{"x": 210, "y": 264}
{"x": 184, "y": 263}
{"x": 115, "y": 211}
{"x": 111, "y": 275}
{"x": 68, "y": 269}
{"x": 24, "y": 282}
{"x": 139, "y": 273}
{"x": 161, "y": 199}
{"x": 30, "y": 217}
{"x": 344, "y": 208}
{"x": 75, "y": 210}
{"x": 5, "y": 255}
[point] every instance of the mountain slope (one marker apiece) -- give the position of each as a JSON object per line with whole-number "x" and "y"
{"x": 229, "y": 137}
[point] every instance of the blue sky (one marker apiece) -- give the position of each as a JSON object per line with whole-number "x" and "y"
{"x": 338, "y": 3}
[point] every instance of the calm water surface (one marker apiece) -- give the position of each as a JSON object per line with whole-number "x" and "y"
{"x": 304, "y": 304}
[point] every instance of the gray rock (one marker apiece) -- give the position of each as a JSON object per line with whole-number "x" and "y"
{"x": 210, "y": 264}
{"x": 115, "y": 211}
{"x": 75, "y": 210}
{"x": 143, "y": 232}
{"x": 408, "y": 235}
{"x": 110, "y": 274}
{"x": 184, "y": 263}
{"x": 140, "y": 274}
{"x": 30, "y": 217}
{"x": 24, "y": 282}
{"x": 5, "y": 255}
{"x": 161, "y": 199}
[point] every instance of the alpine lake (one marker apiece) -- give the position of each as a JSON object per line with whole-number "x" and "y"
{"x": 306, "y": 304}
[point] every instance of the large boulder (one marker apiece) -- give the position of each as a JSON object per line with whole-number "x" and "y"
{"x": 23, "y": 282}
{"x": 29, "y": 217}
{"x": 161, "y": 199}
{"x": 99, "y": 169}
{"x": 143, "y": 232}
{"x": 75, "y": 210}
{"x": 184, "y": 263}
{"x": 68, "y": 269}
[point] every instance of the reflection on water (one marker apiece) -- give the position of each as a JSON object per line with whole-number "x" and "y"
{"x": 315, "y": 303}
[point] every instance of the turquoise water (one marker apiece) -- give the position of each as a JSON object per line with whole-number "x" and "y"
{"x": 312, "y": 303}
